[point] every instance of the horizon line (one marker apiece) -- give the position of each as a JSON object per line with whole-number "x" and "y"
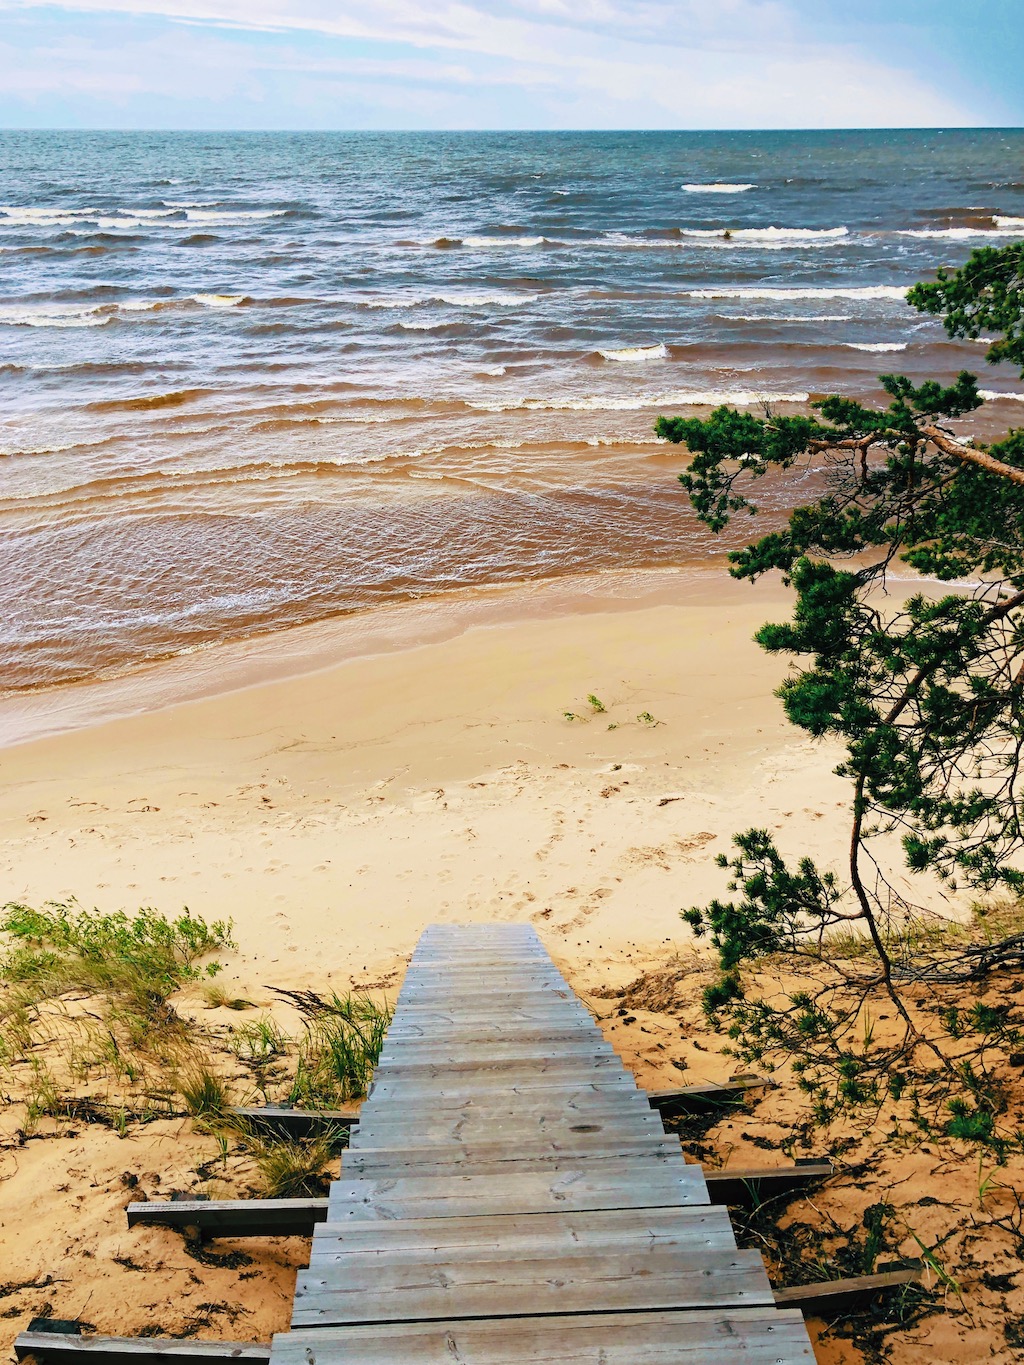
{"x": 894, "y": 128}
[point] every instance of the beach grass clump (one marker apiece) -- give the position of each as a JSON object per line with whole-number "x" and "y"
{"x": 204, "y": 1092}
{"x": 259, "y": 1043}
{"x": 293, "y": 1169}
{"x": 337, "y": 1056}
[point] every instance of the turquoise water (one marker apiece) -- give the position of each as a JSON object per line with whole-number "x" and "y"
{"x": 250, "y": 380}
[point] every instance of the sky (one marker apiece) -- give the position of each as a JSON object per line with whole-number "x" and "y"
{"x": 464, "y": 64}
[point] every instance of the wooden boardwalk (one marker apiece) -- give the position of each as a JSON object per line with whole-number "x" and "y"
{"x": 510, "y": 1196}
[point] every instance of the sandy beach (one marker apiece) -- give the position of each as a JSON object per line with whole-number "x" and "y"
{"x": 334, "y": 814}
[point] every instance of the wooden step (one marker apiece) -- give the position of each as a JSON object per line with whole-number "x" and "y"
{"x": 617, "y": 1185}
{"x": 622, "y": 1281}
{"x": 755, "y": 1336}
{"x": 694, "y": 1228}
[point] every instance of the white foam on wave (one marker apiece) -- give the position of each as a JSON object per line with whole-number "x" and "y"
{"x": 632, "y": 354}
{"x": 501, "y": 241}
{"x": 993, "y": 395}
{"x": 790, "y": 317}
{"x": 428, "y": 326}
{"x": 56, "y": 315}
{"x": 1001, "y": 226}
{"x": 460, "y": 299}
{"x": 868, "y": 291}
{"x": 876, "y": 345}
{"x": 219, "y": 300}
{"x": 12, "y": 215}
{"x": 701, "y": 398}
{"x": 717, "y": 188}
{"x": 225, "y": 218}
{"x": 769, "y": 234}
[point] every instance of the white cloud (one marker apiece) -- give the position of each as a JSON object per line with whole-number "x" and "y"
{"x": 599, "y": 63}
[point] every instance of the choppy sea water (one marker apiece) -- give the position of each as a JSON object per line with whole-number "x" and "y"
{"x": 252, "y": 380}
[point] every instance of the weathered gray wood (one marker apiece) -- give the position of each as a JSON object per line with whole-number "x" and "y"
{"x": 234, "y": 1217}
{"x": 443, "y": 1053}
{"x": 653, "y": 1278}
{"x": 380, "y": 1131}
{"x": 501, "y": 1071}
{"x": 753, "y": 1336}
{"x": 505, "y": 1165}
{"x": 572, "y": 1031}
{"x": 423, "y": 1240}
{"x": 389, "y": 1123}
{"x": 744, "y": 1185}
{"x": 297, "y": 1123}
{"x": 99, "y": 1350}
{"x": 468, "y": 973}
{"x": 690, "y": 1099}
{"x": 422, "y": 1089}
{"x": 830, "y": 1298}
{"x": 622, "y": 1185}
{"x": 439, "y": 1017}
{"x": 582, "y": 1144}
{"x": 498, "y": 1159}
{"x": 442, "y": 1104}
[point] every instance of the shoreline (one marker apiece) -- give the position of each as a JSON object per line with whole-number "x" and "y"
{"x": 312, "y": 647}
{"x": 333, "y": 813}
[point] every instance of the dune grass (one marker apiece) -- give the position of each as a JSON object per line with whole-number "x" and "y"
{"x": 342, "y": 1046}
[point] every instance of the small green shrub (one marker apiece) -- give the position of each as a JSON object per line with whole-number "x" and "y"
{"x": 63, "y": 947}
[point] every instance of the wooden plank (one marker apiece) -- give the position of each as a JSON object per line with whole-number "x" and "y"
{"x": 831, "y": 1298}
{"x": 607, "y": 1141}
{"x": 488, "y": 1089}
{"x": 452, "y": 1054}
{"x": 622, "y": 1185}
{"x": 99, "y": 1350}
{"x": 441, "y": 1104}
{"x": 743, "y": 1185}
{"x": 501, "y": 1070}
{"x": 482, "y": 1031}
{"x": 556, "y": 1101}
{"x": 622, "y": 1282}
{"x": 455, "y": 1094}
{"x": 386, "y": 1124}
{"x": 475, "y": 979}
{"x": 509, "y": 1128}
{"x": 296, "y": 1123}
{"x": 753, "y": 1336}
{"x": 455, "y": 1016}
{"x": 234, "y": 1217}
{"x": 480, "y": 1054}
{"x": 498, "y": 1159}
{"x": 695, "y": 1228}
{"x": 692, "y": 1099}
{"x": 474, "y": 1031}
{"x": 472, "y": 994}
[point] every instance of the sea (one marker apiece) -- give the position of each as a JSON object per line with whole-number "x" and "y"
{"x": 249, "y": 381}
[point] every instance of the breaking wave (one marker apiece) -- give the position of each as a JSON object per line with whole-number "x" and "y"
{"x": 636, "y": 353}
{"x": 867, "y": 291}
{"x": 717, "y": 189}
{"x": 698, "y": 398}
{"x": 878, "y": 346}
